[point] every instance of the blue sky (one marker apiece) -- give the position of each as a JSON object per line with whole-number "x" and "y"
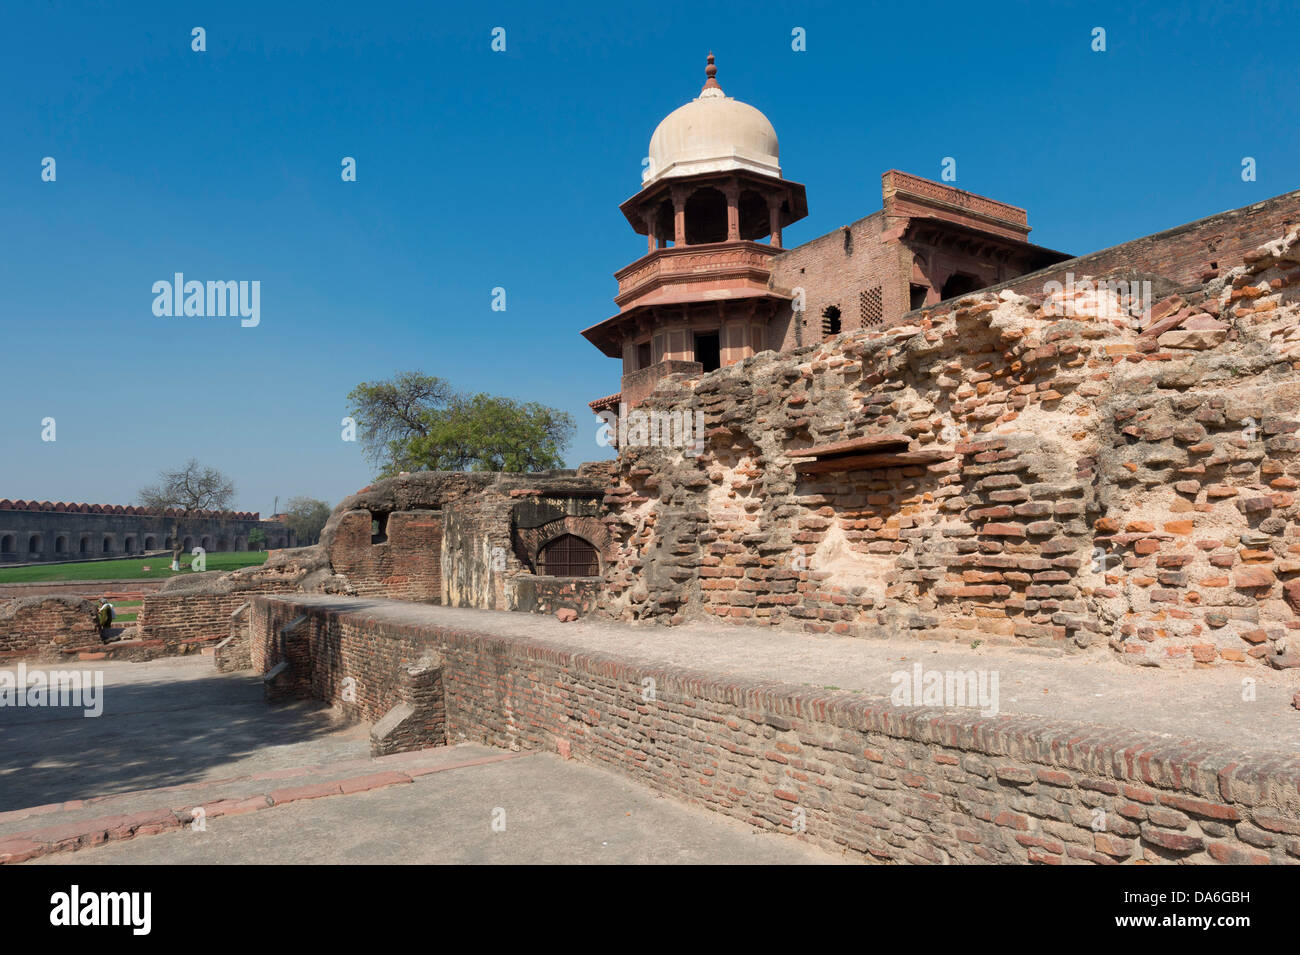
{"x": 478, "y": 169}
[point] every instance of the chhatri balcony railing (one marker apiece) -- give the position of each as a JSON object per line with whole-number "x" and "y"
{"x": 692, "y": 271}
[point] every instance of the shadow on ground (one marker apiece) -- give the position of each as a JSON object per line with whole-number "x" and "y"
{"x": 164, "y": 723}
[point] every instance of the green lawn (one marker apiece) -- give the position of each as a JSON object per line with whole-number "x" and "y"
{"x": 128, "y": 569}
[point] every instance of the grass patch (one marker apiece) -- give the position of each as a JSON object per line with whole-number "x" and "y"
{"x": 126, "y": 569}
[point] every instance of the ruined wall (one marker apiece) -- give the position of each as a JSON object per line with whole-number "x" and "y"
{"x": 1186, "y": 255}
{"x": 844, "y": 771}
{"x": 41, "y": 628}
{"x": 190, "y": 613}
{"x": 405, "y": 564}
{"x": 454, "y": 537}
{"x": 1094, "y": 481}
{"x": 381, "y": 674}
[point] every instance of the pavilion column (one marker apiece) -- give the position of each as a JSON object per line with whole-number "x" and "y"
{"x": 732, "y": 192}
{"x": 774, "y": 221}
{"x": 679, "y": 216}
{"x": 651, "y": 238}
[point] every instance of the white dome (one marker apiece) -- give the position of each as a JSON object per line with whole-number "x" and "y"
{"x": 712, "y": 133}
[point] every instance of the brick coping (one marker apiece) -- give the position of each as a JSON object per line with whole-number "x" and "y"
{"x": 1190, "y": 765}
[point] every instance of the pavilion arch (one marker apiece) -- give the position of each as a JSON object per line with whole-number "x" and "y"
{"x": 960, "y": 283}
{"x": 84, "y": 546}
{"x": 8, "y": 543}
{"x": 706, "y": 216}
{"x": 150, "y": 543}
{"x": 34, "y": 545}
{"x": 107, "y": 547}
{"x": 663, "y": 222}
{"x": 755, "y": 219}
{"x": 61, "y": 544}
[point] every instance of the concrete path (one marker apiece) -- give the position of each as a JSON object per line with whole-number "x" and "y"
{"x": 164, "y": 723}
{"x": 1205, "y": 704}
{"x": 552, "y": 812}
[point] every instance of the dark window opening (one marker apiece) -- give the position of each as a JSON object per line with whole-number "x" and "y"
{"x": 848, "y": 240}
{"x": 755, "y": 222}
{"x": 706, "y": 217}
{"x": 708, "y": 351}
{"x": 378, "y": 528}
{"x": 130, "y": 544}
{"x": 919, "y": 292}
{"x": 643, "y": 355}
{"x": 150, "y": 543}
{"x": 569, "y": 556}
{"x": 34, "y": 544}
{"x": 960, "y": 283}
{"x": 85, "y": 545}
{"x": 108, "y": 545}
{"x": 60, "y": 545}
{"x": 831, "y": 321}
{"x": 7, "y": 544}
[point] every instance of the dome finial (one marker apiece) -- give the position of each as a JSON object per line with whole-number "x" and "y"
{"x": 711, "y": 71}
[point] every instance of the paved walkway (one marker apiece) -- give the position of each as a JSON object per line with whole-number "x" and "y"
{"x": 546, "y": 811}
{"x": 164, "y": 723}
{"x": 1092, "y": 686}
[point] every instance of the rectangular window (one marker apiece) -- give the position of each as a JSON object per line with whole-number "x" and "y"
{"x": 870, "y": 307}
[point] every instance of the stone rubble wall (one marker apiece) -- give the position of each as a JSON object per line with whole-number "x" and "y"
{"x": 1109, "y": 479}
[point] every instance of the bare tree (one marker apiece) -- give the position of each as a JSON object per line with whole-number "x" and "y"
{"x": 190, "y": 488}
{"x": 393, "y": 412}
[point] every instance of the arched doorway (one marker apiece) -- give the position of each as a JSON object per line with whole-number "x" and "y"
{"x": 568, "y": 556}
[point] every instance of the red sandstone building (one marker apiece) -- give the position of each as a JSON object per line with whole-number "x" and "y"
{"x": 710, "y": 292}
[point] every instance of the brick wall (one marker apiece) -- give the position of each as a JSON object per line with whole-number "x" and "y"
{"x": 916, "y": 785}
{"x": 1094, "y": 480}
{"x": 363, "y": 667}
{"x": 187, "y": 621}
{"x": 1184, "y": 255}
{"x": 407, "y": 565}
{"x": 541, "y": 594}
{"x": 40, "y": 628}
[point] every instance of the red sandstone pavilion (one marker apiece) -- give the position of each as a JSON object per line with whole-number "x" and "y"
{"x": 709, "y": 293}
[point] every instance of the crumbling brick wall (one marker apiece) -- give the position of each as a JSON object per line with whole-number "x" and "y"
{"x": 405, "y": 565}
{"x": 41, "y": 628}
{"x": 1094, "y": 483}
{"x": 450, "y": 537}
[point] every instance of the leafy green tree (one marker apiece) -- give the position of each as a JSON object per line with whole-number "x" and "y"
{"x": 306, "y": 517}
{"x": 416, "y": 422}
{"x": 256, "y": 539}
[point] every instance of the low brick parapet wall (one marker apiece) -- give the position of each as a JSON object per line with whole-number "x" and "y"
{"x": 46, "y": 627}
{"x": 840, "y": 769}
